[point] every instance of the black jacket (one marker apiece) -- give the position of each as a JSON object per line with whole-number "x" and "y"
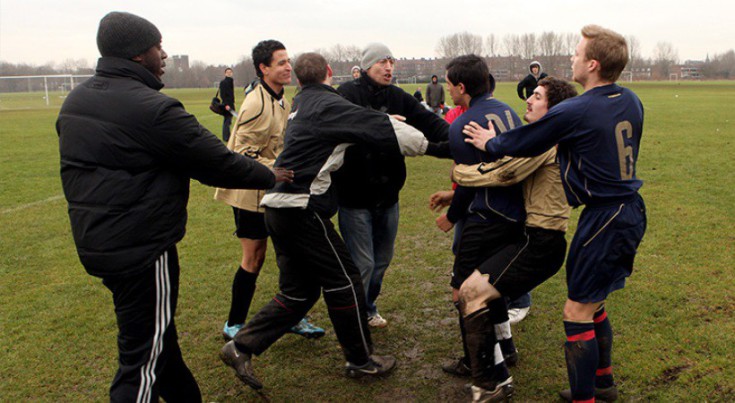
{"x": 127, "y": 154}
{"x": 527, "y": 85}
{"x": 370, "y": 177}
{"x": 227, "y": 91}
{"x": 322, "y": 125}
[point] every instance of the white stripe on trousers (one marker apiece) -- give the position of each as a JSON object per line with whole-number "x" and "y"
{"x": 351, "y": 285}
{"x": 163, "y": 318}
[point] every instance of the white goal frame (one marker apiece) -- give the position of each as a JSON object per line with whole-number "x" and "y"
{"x": 71, "y": 78}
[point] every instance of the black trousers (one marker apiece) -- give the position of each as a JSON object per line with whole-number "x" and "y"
{"x": 312, "y": 258}
{"x": 150, "y": 361}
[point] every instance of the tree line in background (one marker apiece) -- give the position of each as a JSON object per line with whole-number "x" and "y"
{"x": 508, "y": 57}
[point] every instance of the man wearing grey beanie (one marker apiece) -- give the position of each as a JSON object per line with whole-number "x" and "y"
{"x": 127, "y": 154}
{"x": 370, "y": 180}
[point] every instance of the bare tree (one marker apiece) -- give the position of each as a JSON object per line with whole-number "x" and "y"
{"x": 512, "y": 44}
{"x": 463, "y": 43}
{"x": 634, "y": 51}
{"x": 528, "y": 46}
{"x": 491, "y": 45}
{"x": 664, "y": 57}
{"x": 570, "y": 43}
{"x": 550, "y": 44}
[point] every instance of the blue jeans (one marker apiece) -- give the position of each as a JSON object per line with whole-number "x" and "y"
{"x": 370, "y": 235}
{"x": 524, "y": 301}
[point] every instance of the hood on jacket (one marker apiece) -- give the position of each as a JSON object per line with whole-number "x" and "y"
{"x": 535, "y": 63}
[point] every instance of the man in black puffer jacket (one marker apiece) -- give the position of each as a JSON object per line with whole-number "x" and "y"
{"x": 127, "y": 155}
{"x": 370, "y": 179}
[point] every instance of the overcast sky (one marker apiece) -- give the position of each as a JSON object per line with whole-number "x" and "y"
{"x": 223, "y": 31}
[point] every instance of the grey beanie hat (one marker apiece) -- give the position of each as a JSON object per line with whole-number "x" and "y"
{"x": 374, "y": 53}
{"x": 126, "y": 35}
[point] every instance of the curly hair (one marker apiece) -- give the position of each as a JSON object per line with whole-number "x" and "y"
{"x": 557, "y": 90}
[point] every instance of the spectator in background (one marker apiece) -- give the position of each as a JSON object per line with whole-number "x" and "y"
{"x": 355, "y": 72}
{"x": 529, "y": 83}
{"x": 227, "y": 92}
{"x": 435, "y": 95}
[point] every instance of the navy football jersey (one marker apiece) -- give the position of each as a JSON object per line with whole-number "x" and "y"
{"x": 489, "y": 203}
{"x": 599, "y": 135}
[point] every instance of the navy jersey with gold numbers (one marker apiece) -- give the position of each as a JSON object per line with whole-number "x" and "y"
{"x": 599, "y": 136}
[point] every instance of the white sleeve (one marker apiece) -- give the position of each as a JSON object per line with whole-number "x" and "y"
{"x": 410, "y": 140}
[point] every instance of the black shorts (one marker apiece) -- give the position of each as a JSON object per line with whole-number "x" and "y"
{"x": 519, "y": 268}
{"x": 249, "y": 224}
{"x": 479, "y": 241}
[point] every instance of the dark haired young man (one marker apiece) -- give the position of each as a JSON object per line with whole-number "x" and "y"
{"x": 598, "y": 136}
{"x": 312, "y": 257}
{"x": 127, "y": 155}
{"x": 258, "y": 134}
{"x": 494, "y": 216}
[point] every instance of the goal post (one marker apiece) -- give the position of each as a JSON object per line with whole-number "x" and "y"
{"x": 39, "y": 84}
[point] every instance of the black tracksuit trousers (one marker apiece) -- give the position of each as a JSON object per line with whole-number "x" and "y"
{"x": 312, "y": 258}
{"x": 150, "y": 361}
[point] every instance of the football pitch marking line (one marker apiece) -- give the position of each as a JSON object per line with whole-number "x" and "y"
{"x": 35, "y": 203}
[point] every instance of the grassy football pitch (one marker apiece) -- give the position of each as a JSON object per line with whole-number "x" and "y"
{"x": 674, "y": 323}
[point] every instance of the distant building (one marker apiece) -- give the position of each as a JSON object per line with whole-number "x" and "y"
{"x": 180, "y": 62}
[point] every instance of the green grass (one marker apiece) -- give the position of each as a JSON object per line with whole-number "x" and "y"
{"x": 674, "y": 322}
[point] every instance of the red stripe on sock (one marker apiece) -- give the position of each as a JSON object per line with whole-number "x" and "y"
{"x": 601, "y": 317}
{"x": 585, "y": 401}
{"x": 584, "y": 336}
{"x": 341, "y": 308}
{"x": 604, "y": 371}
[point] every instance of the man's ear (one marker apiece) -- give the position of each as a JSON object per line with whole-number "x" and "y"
{"x": 462, "y": 88}
{"x": 262, "y": 68}
{"x": 330, "y": 73}
{"x": 138, "y": 58}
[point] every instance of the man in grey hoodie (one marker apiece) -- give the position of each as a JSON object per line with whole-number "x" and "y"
{"x": 529, "y": 83}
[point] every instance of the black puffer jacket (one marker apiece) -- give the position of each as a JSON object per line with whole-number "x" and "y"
{"x": 127, "y": 154}
{"x": 370, "y": 177}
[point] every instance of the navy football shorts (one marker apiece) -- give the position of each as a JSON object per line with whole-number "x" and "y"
{"x": 603, "y": 249}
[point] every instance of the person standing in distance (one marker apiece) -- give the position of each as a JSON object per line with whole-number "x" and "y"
{"x": 258, "y": 134}
{"x": 227, "y": 92}
{"x": 435, "y": 95}
{"x": 127, "y": 155}
{"x": 528, "y": 84}
{"x": 598, "y": 135}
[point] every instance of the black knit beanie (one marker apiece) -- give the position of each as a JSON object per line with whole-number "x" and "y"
{"x": 126, "y": 35}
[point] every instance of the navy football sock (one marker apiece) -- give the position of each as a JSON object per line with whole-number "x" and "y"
{"x": 243, "y": 288}
{"x": 582, "y": 357}
{"x": 604, "y": 336}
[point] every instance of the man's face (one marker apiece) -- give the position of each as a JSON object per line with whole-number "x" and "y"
{"x": 278, "y": 73}
{"x": 153, "y": 60}
{"x": 434, "y": 80}
{"x": 355, "y": 73}
{"x": 534, "y": 69}
{"x": 228, "y": 73}
{"x": 455, "y": 92}
{"x": 536, "y": 105}
{"x": 579, "y": 63}
{"x": 382, "y": 71}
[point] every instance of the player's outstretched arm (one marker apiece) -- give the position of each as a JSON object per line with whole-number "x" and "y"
{"x": 477, "y": 135}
